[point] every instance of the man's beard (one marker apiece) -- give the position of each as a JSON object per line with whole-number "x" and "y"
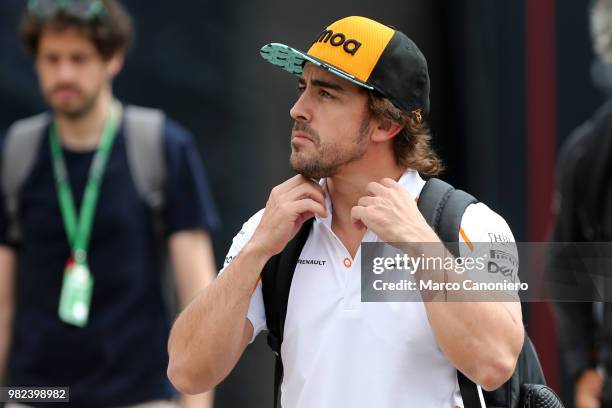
{"x": 84, "y": 105}
{"x": 326, "y": 160}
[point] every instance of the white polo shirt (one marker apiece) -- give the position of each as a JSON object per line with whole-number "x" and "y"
{"x": 340, "y": 352}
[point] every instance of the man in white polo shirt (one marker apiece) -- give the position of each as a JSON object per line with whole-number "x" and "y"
{"x": 364, "y": 90}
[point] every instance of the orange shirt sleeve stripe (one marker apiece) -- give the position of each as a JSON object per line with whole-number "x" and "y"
{"x": 466, "y": 239}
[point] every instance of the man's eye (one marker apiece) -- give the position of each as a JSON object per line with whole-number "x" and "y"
{"x": 325, "y": 94}
{"x": 52, "y": 59}
{"x": 301, "y": 89}
{"x": 79, "y": 59}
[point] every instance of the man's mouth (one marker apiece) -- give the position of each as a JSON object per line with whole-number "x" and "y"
{"x": 300, "y": 137}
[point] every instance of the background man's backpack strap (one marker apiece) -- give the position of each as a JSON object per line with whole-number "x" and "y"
{"x": 442, "y": 207}
{"x": 145, "y": 149}
{"x": 144, "y": 131}
{"x": 276, "y": 278}
{"x": 21, "y": 146}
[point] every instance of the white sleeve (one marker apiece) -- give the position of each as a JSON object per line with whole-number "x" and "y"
{"x": 485, "y": 234}
{"x": 257, "y": 312}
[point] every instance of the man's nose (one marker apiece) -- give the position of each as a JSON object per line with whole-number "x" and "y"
{"x": 301, "y": 110}
{"x": 65, "y": 71}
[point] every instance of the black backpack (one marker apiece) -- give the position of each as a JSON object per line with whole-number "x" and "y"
{"x": 443, "y": 207}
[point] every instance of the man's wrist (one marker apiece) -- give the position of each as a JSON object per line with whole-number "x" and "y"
{"x": 257, "y": 254}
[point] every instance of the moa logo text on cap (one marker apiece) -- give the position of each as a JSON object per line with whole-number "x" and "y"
{"x": 350, "y": 46}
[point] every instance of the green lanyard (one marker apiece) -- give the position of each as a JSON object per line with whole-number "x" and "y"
{"x": 79, "y": 231}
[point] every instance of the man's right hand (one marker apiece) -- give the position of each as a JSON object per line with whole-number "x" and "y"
{"x": 588, "y": 389}
{"x": 290, "y": 204}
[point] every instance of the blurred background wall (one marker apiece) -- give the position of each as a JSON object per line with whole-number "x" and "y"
{"x": 510, "y": 80}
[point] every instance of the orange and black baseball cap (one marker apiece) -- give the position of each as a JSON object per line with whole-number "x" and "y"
{"x": 367, "y": 53}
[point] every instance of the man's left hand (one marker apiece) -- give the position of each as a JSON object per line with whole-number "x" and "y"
{"x": 391, "y": 212}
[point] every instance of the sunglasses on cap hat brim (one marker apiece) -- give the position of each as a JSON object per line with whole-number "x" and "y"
{"x": 83, "y": 10}
{"x": 293, "y": 60}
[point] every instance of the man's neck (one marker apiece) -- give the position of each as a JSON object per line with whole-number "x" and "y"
{"x": 83, "y": 133}
{"x": 346, "y": 188}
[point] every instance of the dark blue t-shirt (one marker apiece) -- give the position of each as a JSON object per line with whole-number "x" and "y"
{"x": 120, "y": 357}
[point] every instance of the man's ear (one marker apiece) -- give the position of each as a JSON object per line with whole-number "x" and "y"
{"x": 385, "y": 130}
{"x": 115, "y": 64}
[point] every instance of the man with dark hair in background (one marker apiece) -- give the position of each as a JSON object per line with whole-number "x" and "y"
{"x": 583, "y": 211}
{"x": 358, "y": 144}
{"x": 88, "y": 205}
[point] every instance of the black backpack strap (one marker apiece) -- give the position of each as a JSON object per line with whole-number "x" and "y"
{"x": 450, "y": 221}
{"x": 434, "y": 195}
{"x": 276, "y": 277}
{"x": 469, "y": 391}
{"x": 442, "y": 207}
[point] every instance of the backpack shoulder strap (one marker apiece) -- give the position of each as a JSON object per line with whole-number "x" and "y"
{"x": 145, "y": 149}
{"x": 276, "y": 278}
{"x": 442, "y": 207}
{"x": 434, "y": 195}
{"x": 18, "y": 155}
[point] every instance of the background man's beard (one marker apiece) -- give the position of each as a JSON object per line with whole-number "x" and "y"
{"x": 78, "y": 111}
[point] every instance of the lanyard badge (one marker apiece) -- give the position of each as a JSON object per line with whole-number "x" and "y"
{"x": 75, "y": 298}
{"x": 77, "y": 284}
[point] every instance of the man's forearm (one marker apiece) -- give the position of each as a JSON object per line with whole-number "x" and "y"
{"x": 206, "y": 340}
{"x": 6, "y": 319}
{"x": 193, "y": 262}
{"x": 210, "y": 335}
{"x": 7, "y": 309}
{"x": 7, "y": 305}
{"x": 482, "y": 339}
{"x": 481, "y": 335}
{"x": 194, "y": 267}
{"x": 205, "y": 400}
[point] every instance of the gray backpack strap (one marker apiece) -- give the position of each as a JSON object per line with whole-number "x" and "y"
{"x": 145, "y": 150}
{"x": 21, "y": 146}
{"x": 144, "y": 138}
